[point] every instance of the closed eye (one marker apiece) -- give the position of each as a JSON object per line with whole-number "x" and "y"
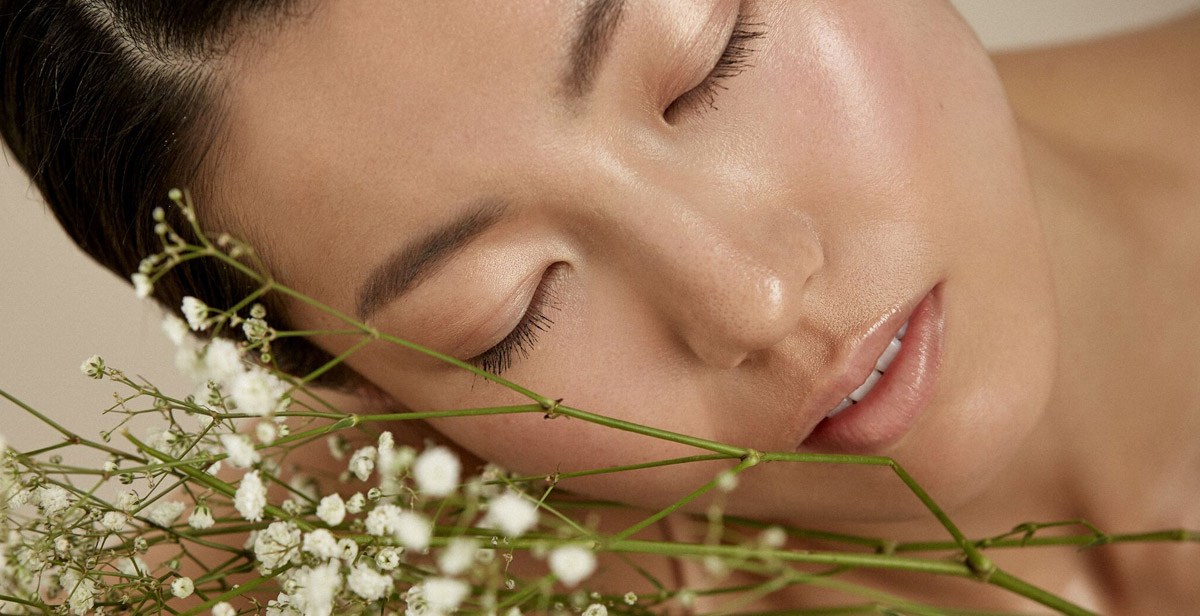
{"x": 536, "y": 321}
{"x": 734, "y": 60}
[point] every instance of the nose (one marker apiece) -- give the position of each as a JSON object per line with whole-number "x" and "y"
{"x": 726, "y": 269}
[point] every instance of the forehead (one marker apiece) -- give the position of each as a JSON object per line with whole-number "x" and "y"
{"x": 375, "y": 103}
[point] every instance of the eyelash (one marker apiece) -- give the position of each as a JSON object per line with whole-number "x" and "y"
{"x": 734, "y": 60}
{"x": 517, "y": 344}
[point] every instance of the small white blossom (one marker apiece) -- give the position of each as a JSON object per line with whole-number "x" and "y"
{"x": 356, "y": 503}
{"x": 223, "y": 361}
{"x": 458, "y": 555}
{"x": 255, "y": 329}
{"x": 362, "y": 463}
{"x": 276, "y": 546}
{"x": 388, "y": 559}
{"x": 240, "y": 450}
{"x": 201, "y": 518}
{"x": 175, "y": 329}
{"x": 251, "y": 497}
{"x": 321, "y": 543}
{"x": 727, "y": 481}
{"x": 415, "y": 601}
{"x": 113, "y": 521}
{"x": 257, "y": 392}
{"x": 773, "y": 538}
{"x": 572, "y": 564}
{"x": 444, "y": 595}
{"x": 142, "y": 285}
{"x": 133, "y": 567}
{"x": 190, "y": 364}
{"x": 369, "y": 583}
{"x": 332, "y": 510}
{"x": 631, "y": 598}
{"x": 382, "y": 520}
{"x": 316, "y": 589}
{"x": 511, "y": 514}
{"x": 93, "y": 367}
{"x": 436, "y": 472}
{"x": 52, "y": 499}
{"x": 413, "y": 531}
{"x": 127, "y": 501}
{"x": 196, "y": 313}
{"x": 164, "y": 513}
{"x": 347, "y": 549}
{"x": 266, "y": 432}
{"x": 183, "y": 587}
{"x": 595, "y": 609}
{"x": 81, "y": 591}
{"x": 223, "y": 609}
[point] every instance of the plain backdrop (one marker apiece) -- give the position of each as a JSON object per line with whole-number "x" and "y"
{"x": 57, "y": 307}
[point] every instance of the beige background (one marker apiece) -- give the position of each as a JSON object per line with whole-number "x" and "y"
{"x": 57, "y": 307}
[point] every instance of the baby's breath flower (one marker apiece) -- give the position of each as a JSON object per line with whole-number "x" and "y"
{"x": 321, "y": 543}
{"x": 240, "y": 450}
{"x": 164, "y": 513}
{"x": 127, "y": 501}
{"x": 458, "y": 555}
{"x": 415, "y": 601}
{"x": 223, "y": 360}
{"x": 631, "y": 598}
{"x": 113, "y": 520}
{"x": 223, "y": 609}
{"x": 444, "y": 595}
{"x": 368, "y": 583}
{"x": 316, "y": 589}
{"x": 175, "y": 329}
{"x": 511, "y": 514}
{"x": 332, "y": 510}
{"x": 52, "y": 499}
{"x": 773, "y": 538}
{"x": 266, "y": 431}
{"x": 388, "y": 559}
{"x": 413, "y": 531}
{"x": 347, "y": 549}
{"x": 81, "y": 591}
{"x": 356, "y": 503}
{"x": 196, "y": 313}
{"x": 337, "y": 446}
{"x": 257, "y": 392}
{"x": 382, "y": 520}
{"x": 362, "y": 463}
{"x": 436, "y": 472}
{"x": 183, "y": 587}
{"x": 251, "y": 497}
{"x": 727, "y": 481}
{"x": 133, "y": 567}
{"x": 93, "y": 367}
{"x": 142, "y": 285}
{"x": 201, "y": 518}
{"x": 595, "y": 609}
{"x": 255, "y": 329}
{"x": 276, "y": 546}
{"x": 572, "y": 564}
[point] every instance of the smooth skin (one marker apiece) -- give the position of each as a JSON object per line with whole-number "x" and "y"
{"x": 707, "y": 264}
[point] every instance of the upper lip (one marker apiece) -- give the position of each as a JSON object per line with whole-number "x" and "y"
{"x": 854, "y": 362}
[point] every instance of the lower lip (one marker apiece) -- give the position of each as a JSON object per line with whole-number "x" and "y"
{"x": 893, "y": 405}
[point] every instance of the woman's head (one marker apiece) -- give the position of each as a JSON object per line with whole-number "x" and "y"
{"x": 696, "y": 252}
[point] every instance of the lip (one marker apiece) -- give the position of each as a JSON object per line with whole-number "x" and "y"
{"x": 893, "y": 405}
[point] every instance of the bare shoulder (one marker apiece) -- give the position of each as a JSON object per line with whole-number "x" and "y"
{"x": 1127, "y": 107}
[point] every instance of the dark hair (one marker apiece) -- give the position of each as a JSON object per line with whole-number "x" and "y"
{"x": 108, "y": 104}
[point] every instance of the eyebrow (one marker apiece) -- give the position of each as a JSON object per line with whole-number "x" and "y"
{"x": 594, "y": 33}
{"x": 411, "y": 264}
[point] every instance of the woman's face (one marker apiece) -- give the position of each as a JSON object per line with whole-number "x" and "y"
{"x": 699, "y": 257}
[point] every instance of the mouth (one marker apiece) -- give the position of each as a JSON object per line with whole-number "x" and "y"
{"x": 882, "y": 384}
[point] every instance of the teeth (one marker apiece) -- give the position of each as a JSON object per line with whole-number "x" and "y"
{"x": 885, "y": 360}
{"x": 862, "y": 391}
{"x": 881, "y": 365}
{"x": 846, "y": 402}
